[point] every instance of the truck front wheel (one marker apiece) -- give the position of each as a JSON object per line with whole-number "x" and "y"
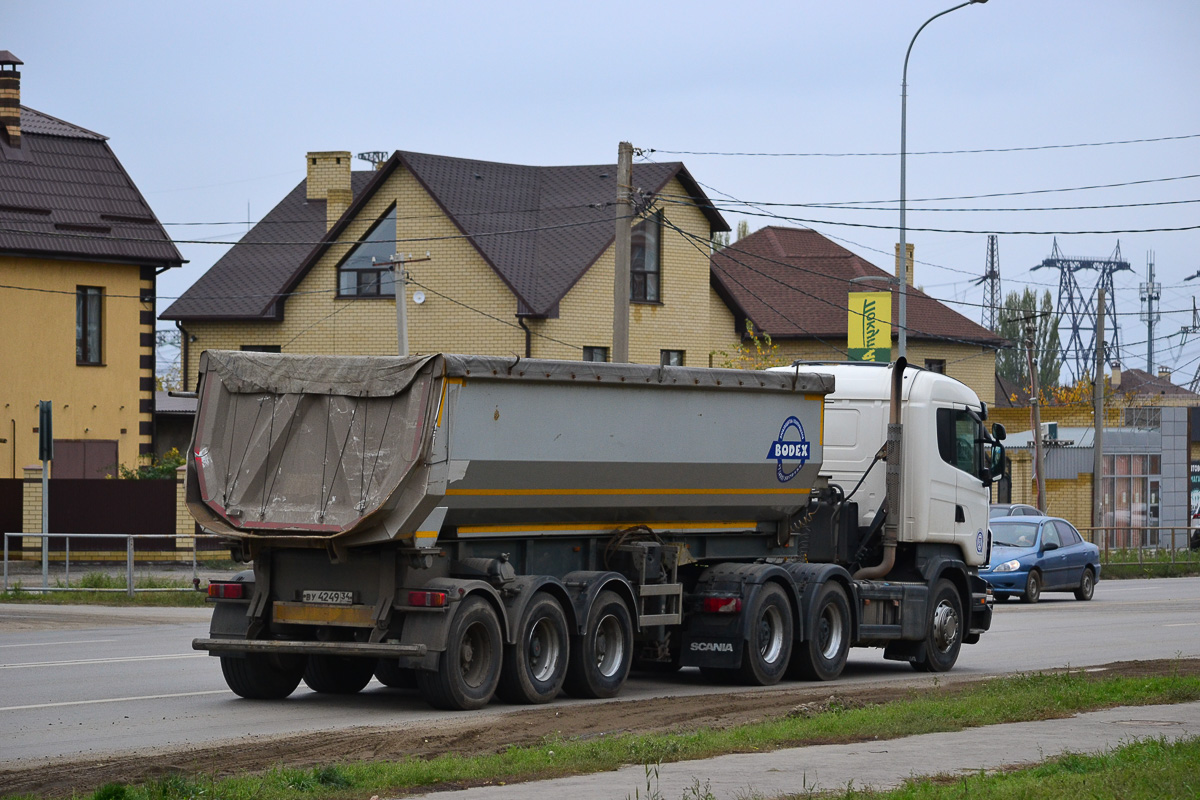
{"x": 769, "y": 646}
{"x": 944, "y": 636}
{"x": 601, "y": 656}
{"x": 468, "y": 671}
{"x": 822, "y": 656}
{"x": 338, "y": 674}
{"x": 260, "y": 676}
{"x": 536, "y": 664}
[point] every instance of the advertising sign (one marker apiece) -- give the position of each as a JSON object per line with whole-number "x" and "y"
{"x": 869, "y": 326}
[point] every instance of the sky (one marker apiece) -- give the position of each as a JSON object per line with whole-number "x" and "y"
{"x": 211, "y": 107}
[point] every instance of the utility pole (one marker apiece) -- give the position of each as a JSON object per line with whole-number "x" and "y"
{"x": 1151, "y": 293}
{"x": 1039, "y": 461}
{"x": 621, "y": 254}
{"x": 400, "y": 281}
{"x": 1098, "y": 419}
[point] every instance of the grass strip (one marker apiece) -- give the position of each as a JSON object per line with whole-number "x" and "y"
{"x": 1011, "y": 699}
{"x": 1150, "y": 769}
{"x": 184, "y": 594}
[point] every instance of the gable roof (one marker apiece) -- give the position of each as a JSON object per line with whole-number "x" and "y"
{"x": 792, "y": 284}
{"x": 1140, "y": 383}
{"x": 64, "y": 194}
{"x": 539, "y": 228}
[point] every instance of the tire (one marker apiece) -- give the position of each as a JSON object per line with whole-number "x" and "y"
{"x": 944, "y": 636}
{"x": 536, "y": 665}
{"x": 467, "y": 673}
{"x": 338, "y": 674}
{"x": 822, "y": 656}
{"x": 391, "y": 674}
{"x": 1033, "y": 587}
{"x": 769, "y": 646}
{"x": 259, "y": 676}
{"x": 601, "y": 656}
{"x": 1087, "y": 585}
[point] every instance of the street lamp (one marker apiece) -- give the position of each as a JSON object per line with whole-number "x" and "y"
{"x": 903, "y": 344}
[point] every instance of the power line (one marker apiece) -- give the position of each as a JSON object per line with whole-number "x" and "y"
{"x": 927, "y": 152}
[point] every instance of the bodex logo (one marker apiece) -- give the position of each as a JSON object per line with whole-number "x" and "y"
{"x": 791, "y": 448}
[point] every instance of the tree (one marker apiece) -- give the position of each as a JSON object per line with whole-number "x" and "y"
{"x": 743, "y": 229}
{"x": 1011, "y": 362}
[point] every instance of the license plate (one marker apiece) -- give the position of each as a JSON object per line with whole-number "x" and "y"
{"x": 328, "y": 598}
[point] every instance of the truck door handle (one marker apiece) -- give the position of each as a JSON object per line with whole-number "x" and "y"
{"x": 959, "y": 514}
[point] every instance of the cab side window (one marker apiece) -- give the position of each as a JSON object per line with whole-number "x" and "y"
{"x": 957, "y": 434}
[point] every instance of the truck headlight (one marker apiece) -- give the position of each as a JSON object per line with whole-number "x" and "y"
{"x": 1007, "y": 566}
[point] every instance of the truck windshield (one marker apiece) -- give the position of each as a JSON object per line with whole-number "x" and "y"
{"x": 960, "y": 440}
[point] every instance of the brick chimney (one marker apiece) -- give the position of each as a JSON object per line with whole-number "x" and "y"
{"x": 329, "y": 180}
{"x": 909, "y": 247}
{"x": 1164, "y": 373}
{"x": 10, "y": 97}
{"x": 1116, "y": 375}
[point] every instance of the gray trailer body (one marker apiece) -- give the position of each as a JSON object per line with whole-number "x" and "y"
{"x": 307, "y": 448}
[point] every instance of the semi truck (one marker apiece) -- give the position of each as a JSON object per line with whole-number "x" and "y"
{"x": 475, "y": 527}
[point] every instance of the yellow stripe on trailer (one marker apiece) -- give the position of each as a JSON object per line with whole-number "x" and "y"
{"x": 357, "y": 616}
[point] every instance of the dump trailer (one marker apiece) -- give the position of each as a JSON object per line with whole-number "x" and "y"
{"x": 475, "y": 526}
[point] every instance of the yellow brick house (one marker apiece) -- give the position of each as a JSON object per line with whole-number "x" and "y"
{"x": 500, "y": 259}
{"x": 80, "y": 250}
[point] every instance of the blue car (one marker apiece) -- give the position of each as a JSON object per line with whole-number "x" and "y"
{"x": 1031, "y": 555}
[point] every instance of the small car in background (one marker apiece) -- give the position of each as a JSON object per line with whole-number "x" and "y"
{"x": 1031, "y": 555}
{"x": 1012, "y": 510}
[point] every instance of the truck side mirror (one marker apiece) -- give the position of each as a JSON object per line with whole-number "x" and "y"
{"x": 998, "y": 432}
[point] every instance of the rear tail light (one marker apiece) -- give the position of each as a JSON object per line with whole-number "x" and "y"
{"x": 227, "y": 591}
{"x": 722, "y": 605}
{"x": 427, "y": 599}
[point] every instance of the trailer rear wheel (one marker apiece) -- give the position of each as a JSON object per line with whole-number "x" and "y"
{"x": 468, "y": 671}
{"x": 769, "y": 647}
{"x": 536, "y": 664}
{"x": 822, "y": 656}
{"x": 391, "y": 674}
{"x": 261, "y": 676}
{"x": 338, "y": 674}
{"x": 601, "y": 656}
{"x": 944, "y": 636}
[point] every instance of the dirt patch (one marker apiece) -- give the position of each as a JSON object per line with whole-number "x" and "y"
{"x": 478, "y": 736}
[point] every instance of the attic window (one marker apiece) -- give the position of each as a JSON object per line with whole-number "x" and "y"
{"x": 358, "y": 275}
{"x": 646, "y": 260}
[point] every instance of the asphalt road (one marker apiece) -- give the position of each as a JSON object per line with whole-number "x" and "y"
{"x": 85, "y": 681}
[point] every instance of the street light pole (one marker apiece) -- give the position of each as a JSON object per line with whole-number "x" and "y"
{"x": 902, "y": 349}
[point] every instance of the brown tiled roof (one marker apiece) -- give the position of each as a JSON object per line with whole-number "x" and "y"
{"x": 539, "y": 228}
{"x": 1141, "y": 383}
{"x": 64, "y": 193}
{"x": 792, "y": 283}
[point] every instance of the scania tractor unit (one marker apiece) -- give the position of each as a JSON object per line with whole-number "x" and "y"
{"x": 475, "y": 526}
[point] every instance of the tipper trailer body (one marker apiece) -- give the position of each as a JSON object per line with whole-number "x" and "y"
{"x": 474, "y": 525}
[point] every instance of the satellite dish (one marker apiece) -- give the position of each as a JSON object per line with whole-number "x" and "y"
{"x": 418, "y": 297}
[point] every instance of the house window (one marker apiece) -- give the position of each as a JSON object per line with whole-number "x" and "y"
{"x": 361, "y": 273}
{"x": 89, "y": 320}
{"x": 260, "y": 348}
{"x": 595, "y": 354}
{"x": 646, "y": 260}
{"x": 937, "y": 365}
{"x": 671, "y": 358}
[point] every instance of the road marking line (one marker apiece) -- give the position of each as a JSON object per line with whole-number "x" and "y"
{"x": 51, "y": 644}
{"x": 113, "y": 700}
{"x": 1180, "y": 624}
{"x": 100, "y": 661}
